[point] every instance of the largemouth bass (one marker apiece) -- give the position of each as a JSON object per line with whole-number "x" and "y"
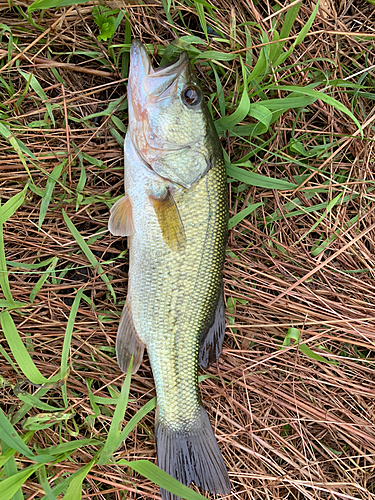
{"x": 175, "y": 214}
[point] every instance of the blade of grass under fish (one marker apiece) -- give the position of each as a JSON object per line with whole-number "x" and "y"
{"x": 20, "y": 353}
{"x": 11, "y": 485}
{"x": 86, "y": 250}
{"x": 258, "y": 180}
{"x": 149, "y": 406}
{"x": 115, "y": 430}
{"x": 74, "y": 491}
{"x": 244, "y": 213}
{"x": 67, "y": 342}
{"x": 42, "y": 279}
{"x": 162, "y": 479}
{"x": 11, "y": 437}
{"x": 47, "y": 193}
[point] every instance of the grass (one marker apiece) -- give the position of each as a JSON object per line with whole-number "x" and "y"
{"x": 292, "y": 398}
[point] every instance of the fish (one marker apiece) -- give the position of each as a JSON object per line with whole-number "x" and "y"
{"x": 175, "y": 215}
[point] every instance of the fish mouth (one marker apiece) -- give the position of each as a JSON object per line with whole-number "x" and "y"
{"x": 147, "y": 87}
{"x": 151, "y": 83}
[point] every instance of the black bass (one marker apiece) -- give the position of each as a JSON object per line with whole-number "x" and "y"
{"x": 175, "y": 213}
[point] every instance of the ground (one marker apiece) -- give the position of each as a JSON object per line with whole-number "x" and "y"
{"x": 291, "y": 400}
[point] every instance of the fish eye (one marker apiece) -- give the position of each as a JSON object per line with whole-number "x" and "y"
{"x": 191, "y": 96}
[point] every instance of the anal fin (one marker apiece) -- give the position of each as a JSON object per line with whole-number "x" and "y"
{"x": 169, "y": 220}
{"x": 121, "y": 219}
{"x": 127, "y": 342}
{"x": 211, "y": 341}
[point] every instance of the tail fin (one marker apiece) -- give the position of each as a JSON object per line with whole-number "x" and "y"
{"x": 191, "y": 455}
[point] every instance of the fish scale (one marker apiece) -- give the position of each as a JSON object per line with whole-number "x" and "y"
{"x": 175, "y": 214}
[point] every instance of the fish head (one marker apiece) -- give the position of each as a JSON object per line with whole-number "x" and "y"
{"x": 169, "y": 123}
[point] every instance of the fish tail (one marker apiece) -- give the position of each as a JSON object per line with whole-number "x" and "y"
{"x": 191, "y": 454}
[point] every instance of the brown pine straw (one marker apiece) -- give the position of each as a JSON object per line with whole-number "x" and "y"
{"x": 289, "y": 426}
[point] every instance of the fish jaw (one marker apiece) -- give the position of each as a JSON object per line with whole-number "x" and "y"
{"x": 168, "y": 135}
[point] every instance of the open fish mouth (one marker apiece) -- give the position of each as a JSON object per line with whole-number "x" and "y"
{"x": 151, "y": 83}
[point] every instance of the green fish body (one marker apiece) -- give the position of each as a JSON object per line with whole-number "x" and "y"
{"x": 175, "y": 214}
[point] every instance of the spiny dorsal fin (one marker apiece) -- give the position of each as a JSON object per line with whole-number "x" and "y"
{"x": 169, "y": 220}
{"x": 211, "y": 341}
{"x": 121, "y": 219}
{"x": 127, "y": 342}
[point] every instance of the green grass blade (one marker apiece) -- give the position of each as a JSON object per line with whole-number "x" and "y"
{"x": 67, "y": 341}
{"x": 74, "y": 491}
{"x": 305, "y": 29}
{"x": 47, "y": 193}
{"x": 86, "y": 250}
{"x": 35, "y": 85}
{"x": 9, "y": 207}
{"x": 202, "y": 19}
{"x": 324, "y": 97}
{"x": 7, "y": 134}
{"x": 330, "y": 205}
{"x": 149, "y": 406}
{"x": 162, "y": 479}
{"x": 42, "y": 279}
{"x": 6, "y": 211}
{"x": 11, "y": 485}
{"x": 228, "y": 122}
{"x": 4, "y": 280}
{"x": 290, "y": 17}
{"x": 10, "y": 468}
{"x": 244, "y": 213}
{"x": 115, "y": 430}
{"x": 42, "y": 477}
{"x": 63, "y": 448}
{"x": 34, "y": 402}
{"x": 19, "y": 351}
{"x": 10, "y": 436}
{"x": 253, "y": 179}
{"x": 301, "y": 36}
{"x": 52, "y": 4}
{"x": 295, "y": 334}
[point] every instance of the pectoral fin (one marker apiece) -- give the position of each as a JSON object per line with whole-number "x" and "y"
{"x": 211, "y": 341}
{"x": 121, "y": 219}
{"x": 169, "y": 220}
{"x": 127, "y": 342}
